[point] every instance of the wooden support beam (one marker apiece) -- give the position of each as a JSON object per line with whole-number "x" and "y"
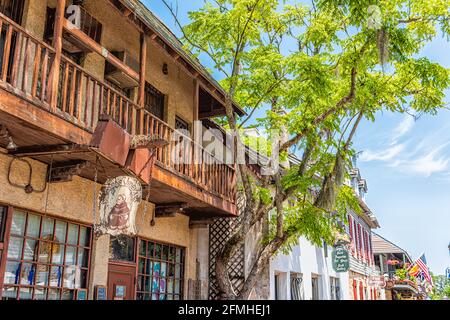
{"x": 64, "y": 172}
{"x": 200, "y": 223}
{"x": 169, "y": 210}
{"x": 57, "y": 45}
{"x": 196, "y": 99}
{"x": 97, "y": 48}
{"x": 143, "y": 68}
{"x": 34, "y": 151}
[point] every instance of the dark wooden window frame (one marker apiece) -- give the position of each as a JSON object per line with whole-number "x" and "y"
{"x": 35, "y": 261}
{"x": 155, "y": 101}
{"x": 141, "y": 292}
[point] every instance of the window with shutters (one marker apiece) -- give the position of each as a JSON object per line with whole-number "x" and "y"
{"x": 352, "y": 236}
{"x": 360, "y": 250}
{"x": 357, "y": 241}
{"x": 366, "y": 244}
{"x": 297, "y": 290}
{"x": 154, "y": 101}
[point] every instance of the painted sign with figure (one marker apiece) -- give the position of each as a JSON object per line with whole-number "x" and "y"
{"x": 119, "y": 201}
{"x": 340, "y": 259}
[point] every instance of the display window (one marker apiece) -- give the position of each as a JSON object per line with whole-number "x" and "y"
{"x": 46, "y": 259}
{"x": 160, "y": 271}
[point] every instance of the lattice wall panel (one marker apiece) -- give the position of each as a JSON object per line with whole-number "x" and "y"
{"x": 220, "y": 231}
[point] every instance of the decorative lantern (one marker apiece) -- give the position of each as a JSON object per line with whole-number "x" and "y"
{"x": 119, "y": 201}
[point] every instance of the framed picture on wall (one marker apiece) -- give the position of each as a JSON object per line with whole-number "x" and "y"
{"x": 81, "y": 294}
{"x": 100, "y": 293}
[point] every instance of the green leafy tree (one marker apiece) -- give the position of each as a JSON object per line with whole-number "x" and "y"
{"x": 317, "y": 68}
{"x": 441, "y": 288}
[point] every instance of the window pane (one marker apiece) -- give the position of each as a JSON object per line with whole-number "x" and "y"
{"x": 83, "y": 258}
{"x": 162, "y": 285}
{"x": 158, "y": 251}
{"x": 177, "y": 288}
{"x": 42, "y": 275}
{"x": 15, "y": 248}
{"x": 148, "y": 284}
{"x": 163, "y": 269}
{"x": 165, "y": 252}
{"x": 60, "y": 232}
{"x": 33, "y": 226}
{"x": 140, "y": 283}
{"x": 26, "y": 293}
{"x": 171, "y": 272}
{"x": 170, "y": 285}
{"x": 155, "y": 285}
{"x": 72, "y": 237}
{"x": 85, "y": 236}
{"x": 45, "y": 249}
{"x": 58, "y": 254}
{"x": 70, "y": 255}
{"x": 69, "y": 277}
{"x": 122, "y": 249}
{"x": 40, "y": 294}
{"x": 178, "y": 271}
{"x": 141, "y": 266}
{"x": 30, "y": 249}
{"x": 142, "y": 248}
{"x": 55, "y": 276}
{"x": 18, "y": 223}
{"x": 12, "y": 273}
{"x": 149, "y": 269}
{"x": 54, "y": 294}
{"x": 80, "y": 278}
{"x": 171, "y": 254}
{"x": 47, "y": 229}
{"x": 27, "y": 274}
{"x": 178, "y": 256}
{"x": 9, "y": 293}
{"x": 150, "y": 249}
{"x": 156, "y": 269}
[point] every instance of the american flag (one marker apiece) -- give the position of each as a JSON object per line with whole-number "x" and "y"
{"x": 422, "y": 263}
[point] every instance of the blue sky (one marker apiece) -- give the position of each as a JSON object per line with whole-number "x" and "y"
{"x": 406, "y": 164}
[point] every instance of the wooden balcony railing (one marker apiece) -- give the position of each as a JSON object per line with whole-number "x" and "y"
{"x": 26, "y": 70}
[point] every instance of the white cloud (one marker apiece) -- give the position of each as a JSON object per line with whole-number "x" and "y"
{"x": 403, "y": 128}
{"x": 383, "y": 155}
{"x": 425, "y": 165}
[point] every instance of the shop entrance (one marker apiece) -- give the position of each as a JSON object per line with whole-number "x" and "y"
{"x": 121, "y": 282}
{"x": 122, "y": 268}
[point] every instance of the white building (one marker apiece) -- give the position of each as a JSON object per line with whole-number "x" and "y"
{"x": 307, "y": 274}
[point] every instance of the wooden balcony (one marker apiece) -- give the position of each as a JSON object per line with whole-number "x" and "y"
{"x": 27, "y": 70}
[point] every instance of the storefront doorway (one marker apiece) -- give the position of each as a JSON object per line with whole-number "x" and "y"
{"x": 121, "y": 282}
{"x": 122, "y": 268}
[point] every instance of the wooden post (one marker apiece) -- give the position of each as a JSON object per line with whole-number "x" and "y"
{"x": 57, "y": 44}
{"x": 142, "y": 72}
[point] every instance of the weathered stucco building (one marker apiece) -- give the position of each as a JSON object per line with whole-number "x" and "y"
{"x": 79, "y": 81}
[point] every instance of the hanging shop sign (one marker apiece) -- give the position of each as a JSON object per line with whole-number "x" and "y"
{"x": 340, "y": 259}
{"x": 377, "y": 281}
{"x": 119, "y": 201}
